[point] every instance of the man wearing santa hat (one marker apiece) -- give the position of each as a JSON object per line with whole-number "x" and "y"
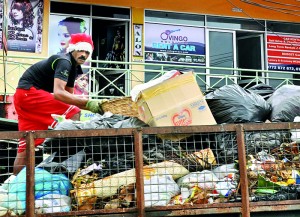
{"x": 46, "y": 88}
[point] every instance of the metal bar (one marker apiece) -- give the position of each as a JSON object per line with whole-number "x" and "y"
{"x": 138, "y": 152}
{"x": 243, "y": 170}
{"x": 30, "y": 164}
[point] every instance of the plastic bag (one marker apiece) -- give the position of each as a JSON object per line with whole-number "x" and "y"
{"x": 263, "y": 90}
{"x": 52, "y": 203}
{"x": 233, "y": 104}
{"x": 45, "y": 183}
{"x": 159, "y": 189}
{"x": 205, "y": 179}
{"x": 285, "y": 103}
{"x": 70, "y": 165}
{"x": 295, "y": 133}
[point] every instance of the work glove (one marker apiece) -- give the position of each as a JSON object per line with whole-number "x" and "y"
{"x": 95, "y": 105}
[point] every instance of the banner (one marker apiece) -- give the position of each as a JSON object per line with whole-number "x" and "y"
{"x": 25, "y": 20}
{"x": 174, "y": 44}
{"x": 283, "y": 52}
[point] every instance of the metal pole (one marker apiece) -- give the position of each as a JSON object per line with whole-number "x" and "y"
{"x": 243, "y": 170}
{"x": 138, "y": 151}
{"x": 30, "y": 164}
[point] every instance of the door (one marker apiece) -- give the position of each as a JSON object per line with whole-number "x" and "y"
{"x": 250, "y": 56}
{"x": 111, "y": 40}
{"x": 221, "y": 53}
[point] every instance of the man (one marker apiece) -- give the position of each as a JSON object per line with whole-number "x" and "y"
{"x": 46, "y": 88}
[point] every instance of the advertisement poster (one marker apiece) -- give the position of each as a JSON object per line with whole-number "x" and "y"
{"x": 60, "y": 29}
{"x": 283, "y": 52}
{"x": 1, "y": 21}
{"x": 174, "y": 44}
{"x": 25, "y": 20}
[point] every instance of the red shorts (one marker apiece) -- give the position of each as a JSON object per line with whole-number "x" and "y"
{"x": 34, "y": 108}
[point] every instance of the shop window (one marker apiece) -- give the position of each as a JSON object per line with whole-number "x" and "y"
{"x": 112, "y": 12}
{"x": 283, "y": 27}
{"x": 232, "y": 23}
{"x": 70, "y": 8}
{"x": 176, "y": 18}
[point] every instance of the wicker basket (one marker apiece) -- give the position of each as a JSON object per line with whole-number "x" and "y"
{"x": 122, "y": 106}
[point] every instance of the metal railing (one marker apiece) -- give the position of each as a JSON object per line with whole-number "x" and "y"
{"x": 108, "y": 79}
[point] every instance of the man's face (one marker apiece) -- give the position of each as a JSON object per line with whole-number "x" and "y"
{"x": 80, "y": 56}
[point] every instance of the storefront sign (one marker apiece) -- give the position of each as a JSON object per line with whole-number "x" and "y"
{"x": 137, "y": 44}
{"x": 283, "y": 52}
{"x": 176, "y": 44}
{"x": 25, "y": 24}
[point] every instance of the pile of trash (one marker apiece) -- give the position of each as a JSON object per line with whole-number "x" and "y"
{"x": 201, "y": 170}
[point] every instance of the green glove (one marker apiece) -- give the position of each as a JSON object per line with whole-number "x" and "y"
{"x": 94, "y": 106}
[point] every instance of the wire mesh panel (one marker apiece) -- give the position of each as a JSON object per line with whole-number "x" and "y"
{"x": 272, "y": 165}
{"x": 99, "y": 170}
{"x": 195, "y": 170}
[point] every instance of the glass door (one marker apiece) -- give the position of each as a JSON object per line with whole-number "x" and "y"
{"x": 250, "y": 56}
{"x": 220, "y": 53}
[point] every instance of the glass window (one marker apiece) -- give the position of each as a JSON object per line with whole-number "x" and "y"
{"x": 283, "y": 27}
{"x": 233, "y": 23}
{"x": 176, "y": 18}
{"x": 70, "y": 8}
{"x": 112, "y": 12}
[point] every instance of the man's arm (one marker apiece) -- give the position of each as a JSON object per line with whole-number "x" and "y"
{"x": 61, "y": 92}
{"x": 70, "y": 89}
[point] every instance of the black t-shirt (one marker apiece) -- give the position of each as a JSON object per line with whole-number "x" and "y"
{"x": 41, "y": 75}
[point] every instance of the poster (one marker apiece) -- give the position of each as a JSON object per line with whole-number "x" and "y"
{"x": 174, "y": 44}
{"x": 25, "y": 20}
{"x": 283, "y": 52}
{"x": 60, "y": 29}
{"x": 1, "y": 21}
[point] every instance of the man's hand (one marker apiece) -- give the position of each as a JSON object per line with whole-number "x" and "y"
{"x": 95, "y": 105}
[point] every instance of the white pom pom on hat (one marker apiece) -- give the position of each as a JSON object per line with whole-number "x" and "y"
{"x": 81, "y": 41}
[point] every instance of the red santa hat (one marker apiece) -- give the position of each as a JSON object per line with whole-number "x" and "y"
{"x": 81, "y": 41}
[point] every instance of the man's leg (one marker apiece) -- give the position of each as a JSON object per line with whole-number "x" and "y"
{"x": 20, "y": 162}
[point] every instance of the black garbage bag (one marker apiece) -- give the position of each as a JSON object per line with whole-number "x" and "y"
{"x": 225, "y": 145}
{"x": 69, "y": 165}
{"x": 263, "y": 90}
{"x": 93, "y": 145}
{"x": 285, "y": 103}
{"x": 233, "y": 104}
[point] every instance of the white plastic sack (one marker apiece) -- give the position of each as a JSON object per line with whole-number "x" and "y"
{"x": 295, "y": 137}
{"x": 205, "y": 179}
{"x": 224, "y": 170}
{"x": 52, "y": 203}
{"x": 138, "y": 88}
{"x": 159, "y": 189}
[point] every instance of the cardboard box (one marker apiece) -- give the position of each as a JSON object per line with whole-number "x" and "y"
{"x": 175, "y": 102}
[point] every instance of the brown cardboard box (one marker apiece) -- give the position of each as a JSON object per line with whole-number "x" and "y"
{"x": 175, "y": 102}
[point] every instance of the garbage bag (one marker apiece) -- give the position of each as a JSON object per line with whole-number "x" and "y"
{"x": 70, "y": 165}
{"x": 226, "y": 150}
{"x": 263, "y": 90}
{"x": 285, "y": 103}
{"x": 45, "y": 183}
{"x": 93, "y": 144}
{"x": 233, "y": 104}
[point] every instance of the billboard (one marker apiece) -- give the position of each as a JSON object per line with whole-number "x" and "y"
{"x": 174, "y": 44}
{"x": 283, "y": 52}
